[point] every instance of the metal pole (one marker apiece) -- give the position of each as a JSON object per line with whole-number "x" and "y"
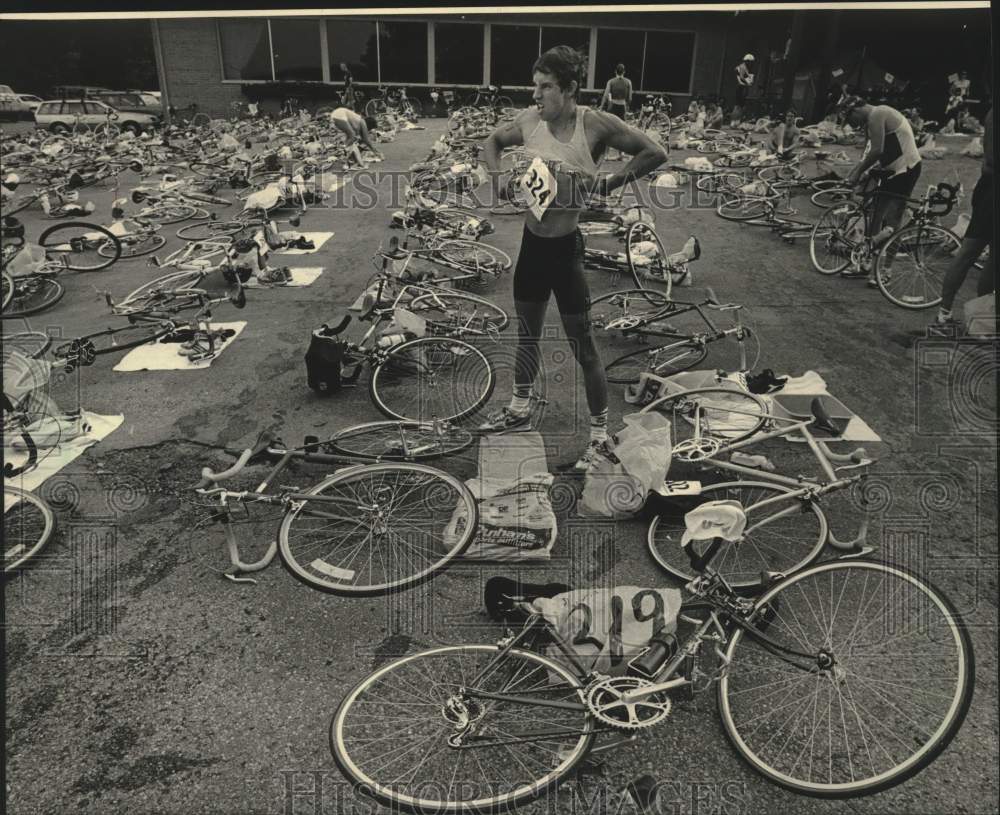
{"x": 161, "y": 72}
{"x": 792, "y": 60}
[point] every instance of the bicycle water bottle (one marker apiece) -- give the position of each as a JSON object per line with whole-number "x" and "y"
{"x": 389, "y": 340}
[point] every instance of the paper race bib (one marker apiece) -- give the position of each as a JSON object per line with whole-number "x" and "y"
{"x": 539, "y": 186}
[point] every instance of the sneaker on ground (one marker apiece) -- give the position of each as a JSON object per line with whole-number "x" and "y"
{"x": 589, "y": 456}
{"x": 855, "y": 271}
{"x": 505, "y": 419}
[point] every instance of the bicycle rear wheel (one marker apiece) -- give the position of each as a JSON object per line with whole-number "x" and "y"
{"x": 772, "y": 542}
{"x": 30, "y": 295}
{"x": 885, "y": 685}
{"x": 831, "y": 197}
{"x": 390, "y": 734}
{"x": 79, "y": 245}
{"x": 400, "y": 441}
{"x": 432, "y": 378}
{"x": 734, "y": 206}
{"x": 835, "y": 236}
{"x": 912, "y": 264}
{"x": 458, "y": 315}
{"x": 28, "y": 525}
{"x": 722, "y": 414}
{"x": 377, "y": 529}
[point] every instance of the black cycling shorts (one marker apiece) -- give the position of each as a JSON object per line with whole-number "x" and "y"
{"x": 618, "y": 110}
{"x": 981, "y": 222}
{"x": 552, "y": 265}
{"x": 902, "y": 183}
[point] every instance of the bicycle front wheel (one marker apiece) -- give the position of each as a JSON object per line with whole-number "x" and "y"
{"x": 400, "y": 441}
{"x": 134, "y": 245}
{"x": 912, "y": 264}
{"x": 30, "y": 295}
{"x": 432, "y": 378}
{"x": 81, "y": 246}
{"x": 885, "y": 684}
{"x": 458, "y": 315}
{"x": 775, "y": 539}
{"x": 664, "y": 360}
{"x": 417, "y": 735}
{"x": 647, "y": 259}
{"x": 835, "y": 236}
{"x": 28, "y": 524}
{"x": 377, "y": 529}
{"x": 721, "y": 414}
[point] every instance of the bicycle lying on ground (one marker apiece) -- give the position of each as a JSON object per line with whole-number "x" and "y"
{"x": 840, "y": 680}
{"x": 376, "y": 527}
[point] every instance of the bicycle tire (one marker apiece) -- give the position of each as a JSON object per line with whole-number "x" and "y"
{"x": 207, "y": 230}
{"x": 375, "y": 107}
{"x": 78, "y": 245}
{"x": 454, "y": 314}
{"x": 427, "y": 360}
{"x": 473, "y": 257}
{"x": 734, "y": 206}
{"x": 465, "y": 222}
{"x": 367, "y": 523}
{"x": 28, "y": 525}
{"x": 8, "y": 290}
{"x": 663, "y": 360}
{"x": 779, "y": 172}
{"x": 173, "y": 282}
{"x": 911, "y": 265}
{"x": 135, "y": 245}
{"x": 639, "y": 306}
{"x": 31, "y": 344}
{"x": 399, "y": 441}
{"x": 831, "y": 196}
{"x": 171, "y": 213}
{"x": 200, "y": 120}
{"x": 786, "y": 545}
{"x": 647, "y": 267}
{"x": 32, "y": 294}
{"x": 901, "y": 650}
{"x": 112, "y": 340}
{"x": 205, "y": 198}
{"x": 451, "y": 668}
{"x": 726, "y": 414}
{"x": 830, "y": 243}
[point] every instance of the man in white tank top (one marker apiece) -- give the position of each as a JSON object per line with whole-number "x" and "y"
{"x": 892, "y": 146}
{"x": 571, "y": 139}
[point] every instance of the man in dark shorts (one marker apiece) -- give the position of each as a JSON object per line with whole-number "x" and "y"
{"x": 978, "y": 235}
{"x": 892, "y": 146}
{"x": 567, "y": 141}
{"x": 617, "y": 99}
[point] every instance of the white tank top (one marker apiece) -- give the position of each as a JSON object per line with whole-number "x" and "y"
{"x": 575, "y": 153}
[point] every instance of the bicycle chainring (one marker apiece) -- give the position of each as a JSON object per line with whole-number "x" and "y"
{"x": 604, "y": 699}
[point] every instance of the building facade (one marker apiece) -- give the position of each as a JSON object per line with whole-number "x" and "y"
{"x": 215, "y": 61}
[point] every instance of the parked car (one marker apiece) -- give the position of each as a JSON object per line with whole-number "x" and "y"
{"x": 130, "y": 102}
{"x": 11, "y": 106}
{"x": 62, "y": 114}
{"x": 30, "y": 100}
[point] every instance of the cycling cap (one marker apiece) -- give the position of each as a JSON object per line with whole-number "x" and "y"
{"x": 748, "y": 57}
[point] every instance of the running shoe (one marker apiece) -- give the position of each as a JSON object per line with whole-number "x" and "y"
{"x": 506, "y": 419}
{"x": 589, "y": 457}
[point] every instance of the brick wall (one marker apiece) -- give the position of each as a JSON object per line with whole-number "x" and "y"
{"x": 193, "y": 69}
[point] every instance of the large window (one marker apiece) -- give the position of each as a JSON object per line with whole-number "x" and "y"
{"x": 578, "y": 38}
{"x": 353, "y": 43}
{"x": 669, "y": 57}
{"x": 616, "y": 45}
{"x": 513, "y": 50}
{"x": 246, "y": 52}
{"x": 403, "y": 51}
{"x": 295, "y": 44}
{"x": 458, "y": 53}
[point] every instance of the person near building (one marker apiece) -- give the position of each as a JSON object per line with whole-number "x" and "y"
{"x": 744, "y": 81}
{"x": 892, "y": 146}
{"x": 784, "y": 138}
{"x": 978, "y": 235}
{"x": 567, "y": 141}
{"x": 617, "y": 99}
{"x": 358, "y": 129}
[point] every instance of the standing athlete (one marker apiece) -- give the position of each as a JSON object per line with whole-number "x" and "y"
{"x": 892, "y": 146}
{"x": 744, "y": 81}
{"x": 617, "y": 97}
{"x": 570, "y": 139}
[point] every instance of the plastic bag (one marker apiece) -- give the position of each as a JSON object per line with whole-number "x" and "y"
{"x": 265, "y": 199}
{"x": 636, "y": 461}
{"x": 698, "y": 164}
{"x": 29, "y": 260}
{"x": 228, "y": 142}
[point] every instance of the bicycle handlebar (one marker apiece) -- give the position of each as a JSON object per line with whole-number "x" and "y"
{"x": 208, "y": 478}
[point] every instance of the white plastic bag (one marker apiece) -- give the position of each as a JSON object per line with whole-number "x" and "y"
{"x": 29, "y": 260}
{"x": 636, "y": 461}
{"x": 698, "y": 164}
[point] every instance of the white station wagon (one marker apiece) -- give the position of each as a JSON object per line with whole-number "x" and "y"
{"x": 63, "y": 114}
